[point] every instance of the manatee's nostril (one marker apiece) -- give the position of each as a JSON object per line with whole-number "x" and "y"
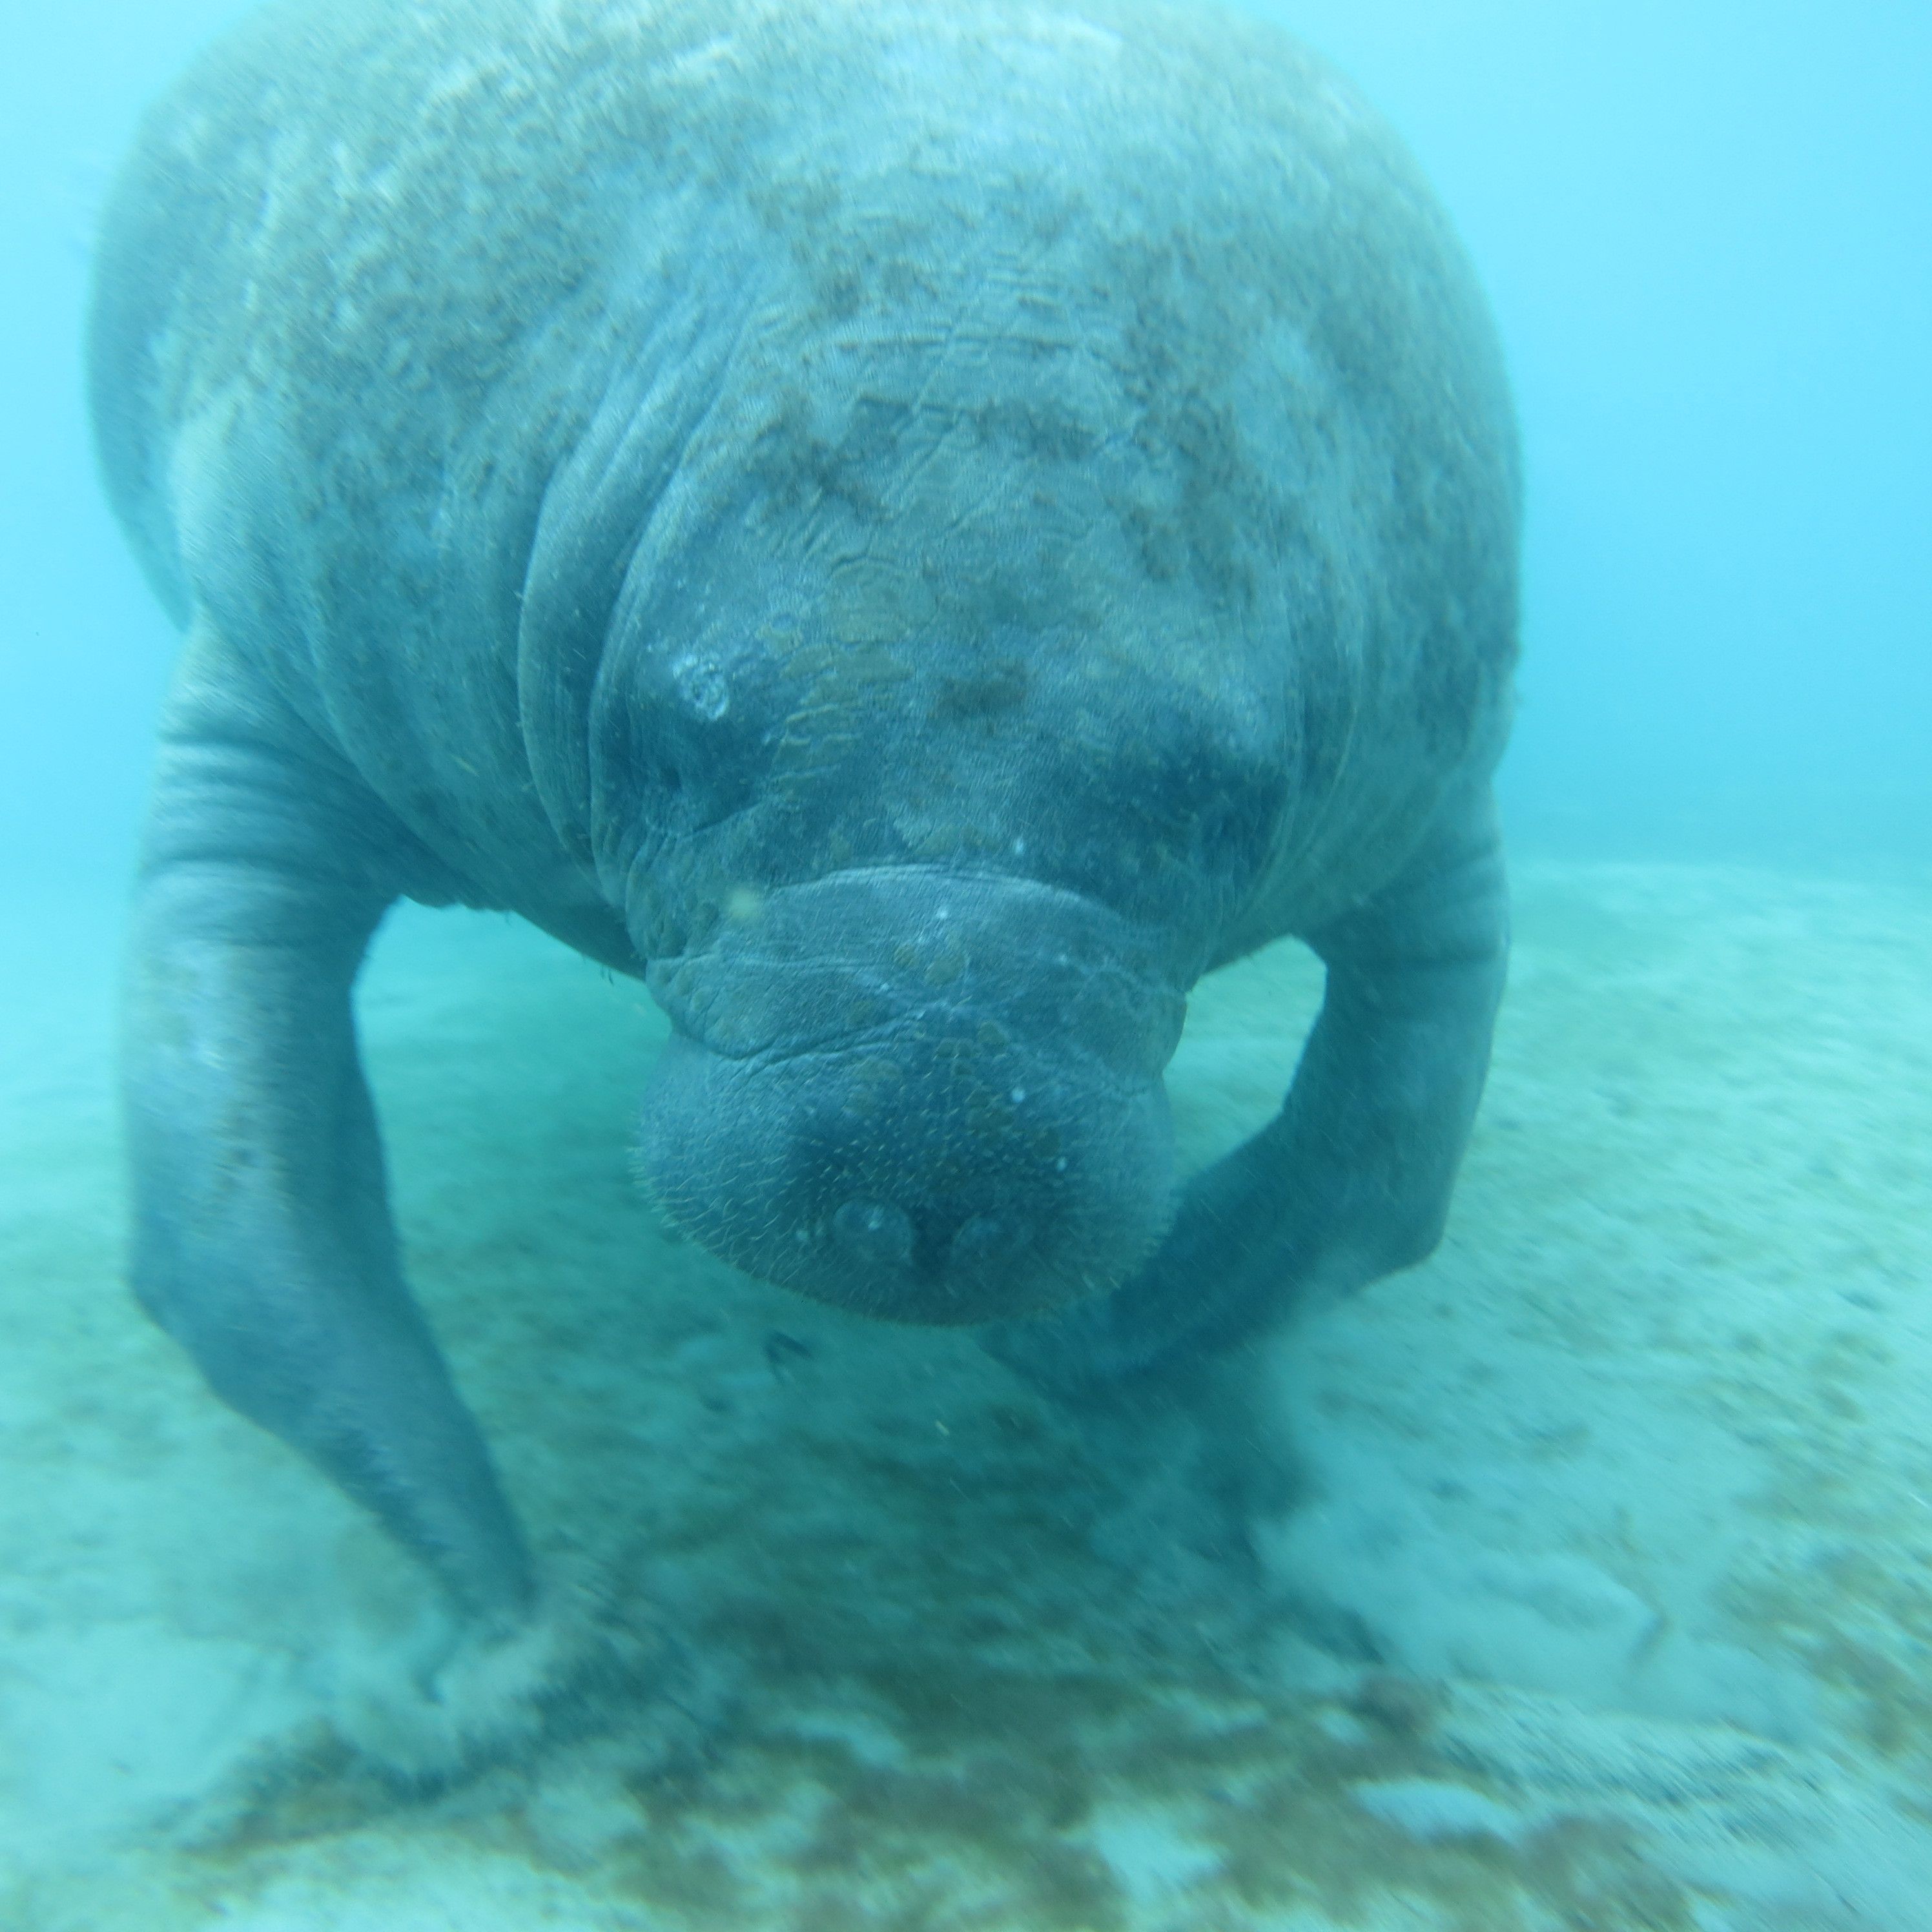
{"x": 874, "y": 1231}
{"x": 985, "y": 1239}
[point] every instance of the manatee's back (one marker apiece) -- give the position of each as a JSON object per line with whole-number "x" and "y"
{"x": 355, "y": 309}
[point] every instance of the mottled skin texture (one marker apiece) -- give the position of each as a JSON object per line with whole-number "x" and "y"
{"x": 916, "y": 528}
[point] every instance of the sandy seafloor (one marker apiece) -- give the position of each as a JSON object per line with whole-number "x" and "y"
{"x": 1581, "y": 1579}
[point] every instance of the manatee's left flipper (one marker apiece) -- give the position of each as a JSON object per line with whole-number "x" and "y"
{"x": 1351, "y": 1179}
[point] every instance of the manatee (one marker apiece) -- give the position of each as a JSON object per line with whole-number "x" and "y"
{"x": 916, "y": 529}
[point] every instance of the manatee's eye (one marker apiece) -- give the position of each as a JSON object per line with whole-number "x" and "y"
{"x": 1234, "y": 801}
{"x": 685, "y": 734}
{"x": 1199, "y": 797}
{"x": 1155, "y": 799}
{"x": 703, "y": 685}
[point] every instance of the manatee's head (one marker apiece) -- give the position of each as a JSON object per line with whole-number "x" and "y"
{"x": 1005, "y": 555}
{"x": 926, "y": 1095}
{"x": 924, "y": 906}
{"x": 930, "y": 766}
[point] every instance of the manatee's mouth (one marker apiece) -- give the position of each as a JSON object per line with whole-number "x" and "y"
{"x": 924, "y": 1096}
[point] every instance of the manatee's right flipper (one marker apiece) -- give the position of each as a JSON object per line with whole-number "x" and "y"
{"x": 262, "y": 1240}
{"x": 261, "y": 1237}
{"x": 1351, "y": 1179}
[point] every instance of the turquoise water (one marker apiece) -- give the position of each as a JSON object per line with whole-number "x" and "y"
{"x": 1581, "y": 1577}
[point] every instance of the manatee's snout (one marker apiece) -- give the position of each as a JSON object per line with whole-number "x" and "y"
{"x": 923, "y": 1097}
{"x": 923, "y": 1176}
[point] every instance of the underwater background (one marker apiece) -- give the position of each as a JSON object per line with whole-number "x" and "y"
{"x": 1582, "y": 1578}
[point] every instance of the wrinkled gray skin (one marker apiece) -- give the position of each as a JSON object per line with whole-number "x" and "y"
{"x": 917, "y": 529}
